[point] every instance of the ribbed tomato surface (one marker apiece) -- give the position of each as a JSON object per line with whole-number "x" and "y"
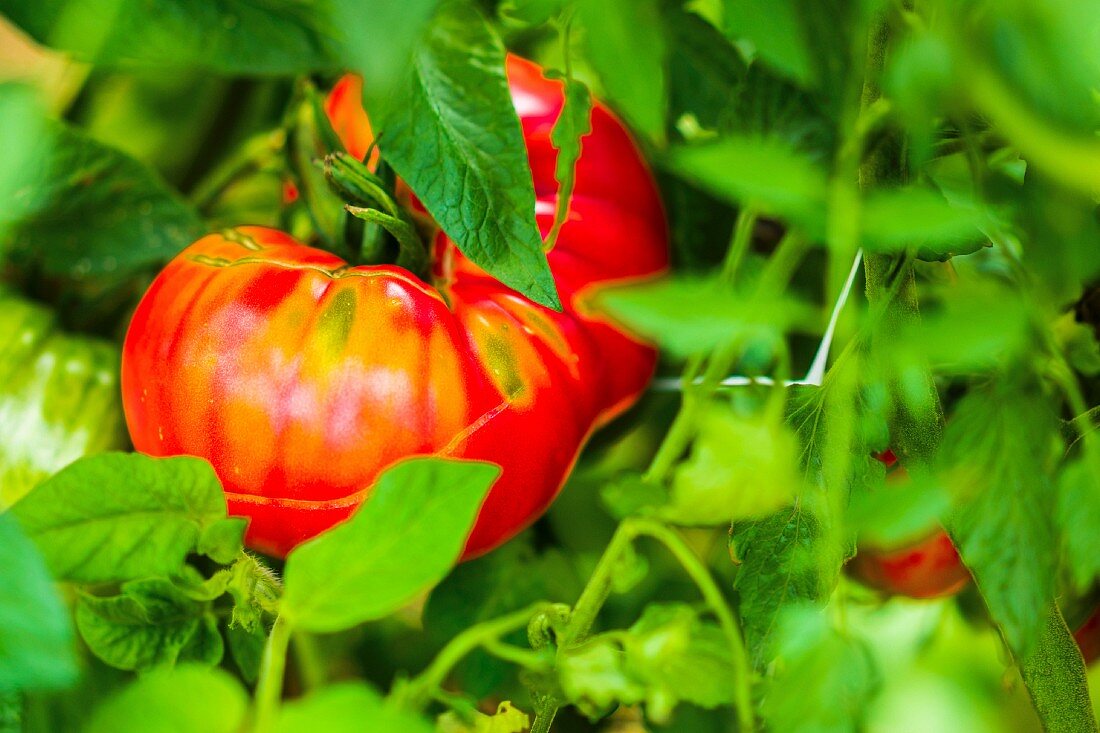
{"x": 300, "y": 378}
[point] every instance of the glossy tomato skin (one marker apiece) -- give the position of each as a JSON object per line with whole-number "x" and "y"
{"x": 926, "y": 568}
{"x": 301, "y": 378}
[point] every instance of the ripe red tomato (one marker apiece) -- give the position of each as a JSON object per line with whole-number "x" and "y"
{"x": 1087, "y": 637}
{"x": 301, "y": 378}
{"x": 928, "y": 568}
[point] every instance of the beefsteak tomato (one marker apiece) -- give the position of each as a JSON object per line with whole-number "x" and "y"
{"x": 301, "y": 378}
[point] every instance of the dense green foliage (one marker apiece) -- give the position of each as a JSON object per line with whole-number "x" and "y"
{"x": 692, "y": 576}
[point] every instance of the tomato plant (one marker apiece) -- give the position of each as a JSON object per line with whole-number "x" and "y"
{"x": 549, "y": 365}
{"x": 301, "y": 378}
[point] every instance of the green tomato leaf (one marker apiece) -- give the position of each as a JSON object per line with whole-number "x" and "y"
{"x": 768, "y": 106}
{"x": 378, "y": 39}
{"x": 237, "y": 37}
{"x": 529, "y": 12}
{"x": 92, "y": 210}
{"x": 505, "y": 580}
{"x": 22, "y": 128}
{"x": 629, "y": 494}
{"x": 62, "y": 391}
{"x": 1078, "y": 517}
{"x": 740, "y": 467}
{"x": 507, "y": 719}
{"x": 825, "y": 678}
{"x": 347, "y": 707}
{"x": 625, "y": 41}
{"x": 451, "y": 132}
{"x": 11, "y": 712}
{"x": 1056, "y": 679}
{"x": 712, "y": 85}
{"x": 767, "y": 173}
{"x": 151, "y": 623}
{"x": 712, "y": 89}
{"x": 247, "y": 649}
{"x": 574, "y": 122}
{"x": 1010, "y": 547}
{"x": 206, "y": 646}
{"x": 781, "y": 563}
{"x": 792, "y": 557}
{"x": 922, "y": 221}
{"x": 773, "y": 30}
{"x": 400, "y": 542}
{"x": 222, "y": 541}
{"x": 36, "y": 637}
{"x": 898, "y": 510}
{"x": 198, "y": 587}
{"x": 974, "y": 326}
{"x": 681, "y": 658}
{"x": 117, "y": 516}
{"x": 592, "y": 677}
{"x": 1032, "y": 48}
{"x": 187, "y": 699}
{"x": 667, "y": 657}
{"x": 917, "y": 77}
{"x": 705, "y": 71}
{"x": 689, "y": 316}
{"x": 1078, "y": 342}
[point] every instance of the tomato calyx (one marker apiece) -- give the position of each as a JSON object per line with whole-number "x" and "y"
{"x": 369, "y": 197}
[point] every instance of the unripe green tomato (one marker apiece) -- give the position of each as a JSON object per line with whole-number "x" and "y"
{"x": 59, "y": 397}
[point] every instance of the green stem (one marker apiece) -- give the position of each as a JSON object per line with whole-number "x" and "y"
{"x": 599, "y": 586}
{"x": 526, "y": 658}
{"x": 418, "y": 691}
{"x": 739, "y": 245}
{"x": 545, "y": 711}
{"x": 891, "y": 283}
{"x": 1082, "y": 420}
{"x": 683, "y": 426}
{"x": 783, "y": 263}
{"x": 777, "y": 397}
{"x": 588, "y": 606}
{"x": 311, "y": 664}
{"x": 412, "y": 254}
{"x": 714, "y": 599}
{"x": 269, "y": 688}
{"x": 1080, "y": 427}
{"x": 351, "y": 179}
{"x": 682, "y": 430}
{"x": 256, "y": 153}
